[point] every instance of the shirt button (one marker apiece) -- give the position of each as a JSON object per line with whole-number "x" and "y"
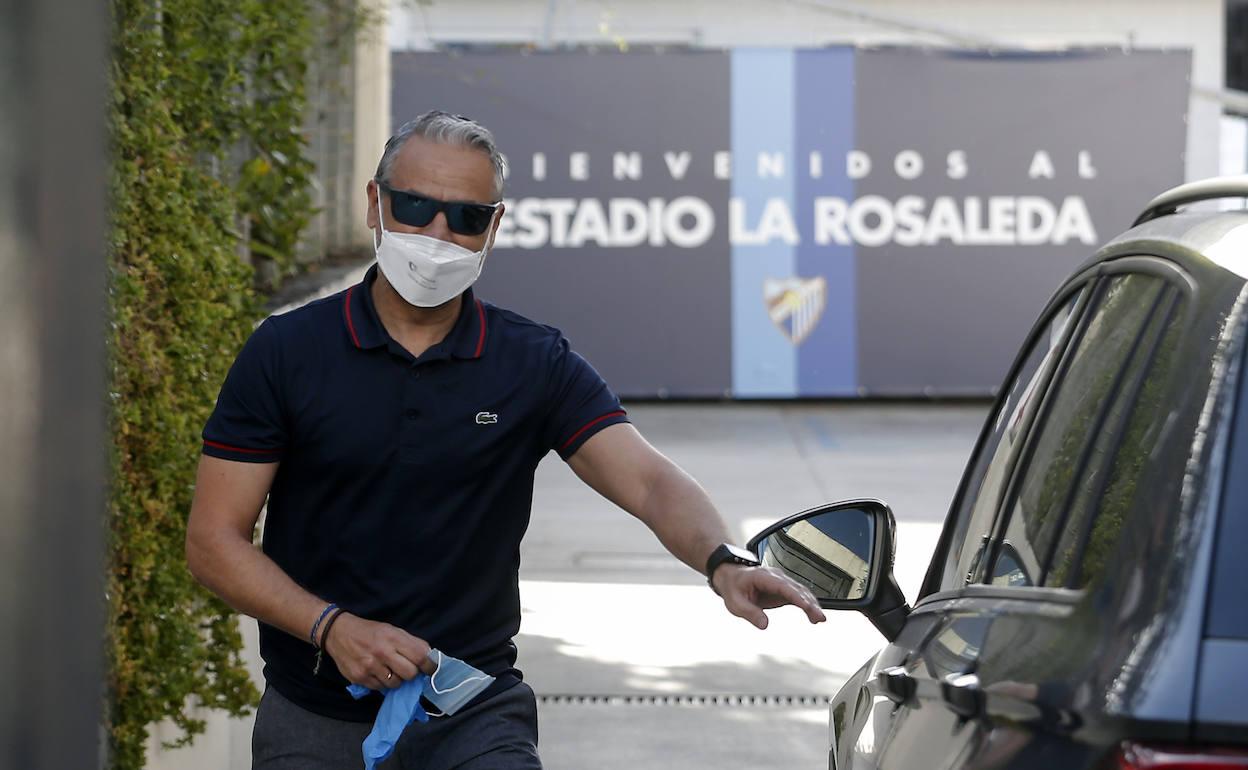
{"x": 412, "y": 414}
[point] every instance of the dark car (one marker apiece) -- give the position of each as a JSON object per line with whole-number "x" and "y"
{"x": 1087, "y": 602}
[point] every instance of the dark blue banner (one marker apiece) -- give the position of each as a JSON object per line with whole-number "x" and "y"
{"x": 785, "y": 223}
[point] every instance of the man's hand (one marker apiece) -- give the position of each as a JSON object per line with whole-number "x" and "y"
{"x": 376, "y": 655}
{"x": 747, "y": 591}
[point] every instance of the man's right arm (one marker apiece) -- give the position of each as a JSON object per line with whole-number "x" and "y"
{"x": 219, "y": 551}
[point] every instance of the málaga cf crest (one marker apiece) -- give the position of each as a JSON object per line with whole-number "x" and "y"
{"x": 795, "y": 304}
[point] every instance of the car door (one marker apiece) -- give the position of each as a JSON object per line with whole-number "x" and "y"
{"x": 901, "y": 715}
{"x": 1071, "y": 511}
{"x": 1011, "y": 606}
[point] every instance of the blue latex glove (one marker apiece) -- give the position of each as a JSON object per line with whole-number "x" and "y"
{"x": 399, "y": 709}
{"x": 459, "y": 683}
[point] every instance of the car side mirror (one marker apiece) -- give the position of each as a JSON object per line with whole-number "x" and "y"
{"x": 842, "y": 552}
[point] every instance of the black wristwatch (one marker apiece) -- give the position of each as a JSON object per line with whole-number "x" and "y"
{"x": 728, "y": 554}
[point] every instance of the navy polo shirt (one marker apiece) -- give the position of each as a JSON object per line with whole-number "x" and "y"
{"x": 405, "y": 484}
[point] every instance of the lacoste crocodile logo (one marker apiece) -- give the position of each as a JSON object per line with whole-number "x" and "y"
{"x": 485, "y": 418}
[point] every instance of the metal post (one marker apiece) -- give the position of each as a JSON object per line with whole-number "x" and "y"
{"x": 548, "y": 26}
{"x": 53, "y": 95}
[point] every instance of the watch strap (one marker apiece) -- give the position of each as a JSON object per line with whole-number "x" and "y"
{"x": 728, "y": 554}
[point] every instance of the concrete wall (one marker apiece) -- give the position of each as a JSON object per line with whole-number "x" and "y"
{"x": 54, "y": 237}
{"x": 1192, "y": 24}
{"x": 372, "y": 110}
{"x": 347, "y": 124}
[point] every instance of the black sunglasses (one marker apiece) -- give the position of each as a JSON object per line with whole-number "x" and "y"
{"x": 416, "y": 210}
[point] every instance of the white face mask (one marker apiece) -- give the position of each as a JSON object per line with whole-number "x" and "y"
{"x": 425, "y": 271}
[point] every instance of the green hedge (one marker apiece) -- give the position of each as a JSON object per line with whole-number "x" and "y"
{"x": 207, "y": 113}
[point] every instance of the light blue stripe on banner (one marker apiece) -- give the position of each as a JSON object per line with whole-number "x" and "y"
{"x": 828, "y": 356}
{"x": 764, "y": 362}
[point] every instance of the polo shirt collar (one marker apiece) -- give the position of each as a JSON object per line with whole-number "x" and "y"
{"x": 466, "y": 339}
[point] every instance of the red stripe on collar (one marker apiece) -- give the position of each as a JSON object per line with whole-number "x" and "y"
{"x": 481, "y": 337}
{"x": 351, "y": 324}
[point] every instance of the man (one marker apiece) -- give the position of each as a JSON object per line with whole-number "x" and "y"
{"x": 395, "y": 429}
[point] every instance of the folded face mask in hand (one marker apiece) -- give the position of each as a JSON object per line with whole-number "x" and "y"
{"x": 454, "y": 683}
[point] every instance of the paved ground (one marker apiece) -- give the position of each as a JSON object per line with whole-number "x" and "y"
{"x": 634, "y": 658}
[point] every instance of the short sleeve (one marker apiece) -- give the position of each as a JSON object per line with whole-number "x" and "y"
{"x": 247, "y": 424}
{"x": 581, "y": 404}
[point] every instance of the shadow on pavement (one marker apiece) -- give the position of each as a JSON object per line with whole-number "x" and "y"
{"x": 654, "y": 727}
{"x": 555, "y": 666}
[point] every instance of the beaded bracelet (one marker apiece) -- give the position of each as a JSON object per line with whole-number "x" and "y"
{"x": 317, "y": 624}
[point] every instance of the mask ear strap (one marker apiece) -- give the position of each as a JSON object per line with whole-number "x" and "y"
{"x": 430, "y": 703}
{"x": 381, "y": 218}
{"x": 434, "y": 675}
{"x": 489, "y": 241}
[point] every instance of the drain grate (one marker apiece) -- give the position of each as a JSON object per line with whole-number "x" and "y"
{"x": 720, "y": 700}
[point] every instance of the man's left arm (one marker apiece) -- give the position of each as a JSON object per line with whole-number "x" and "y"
{"x": 624, "y": 468}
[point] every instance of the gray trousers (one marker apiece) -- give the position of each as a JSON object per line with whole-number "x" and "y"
{"x": 499, "y": 734}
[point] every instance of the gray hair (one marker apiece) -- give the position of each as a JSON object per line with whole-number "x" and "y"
{"x": 444, "y": 128}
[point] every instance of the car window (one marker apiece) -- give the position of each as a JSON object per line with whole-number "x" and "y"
{"x": 977, "y": 508}
{"x": 1078, "y": 411}
{"x": 1087, "y": 541}
{"x": 1228, "y": 596}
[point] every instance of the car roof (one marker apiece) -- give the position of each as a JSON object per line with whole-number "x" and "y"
{"x": 1210, "y": 248}
{"x": 1196, "y": 240}
{"x": 1202, "y": 242}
